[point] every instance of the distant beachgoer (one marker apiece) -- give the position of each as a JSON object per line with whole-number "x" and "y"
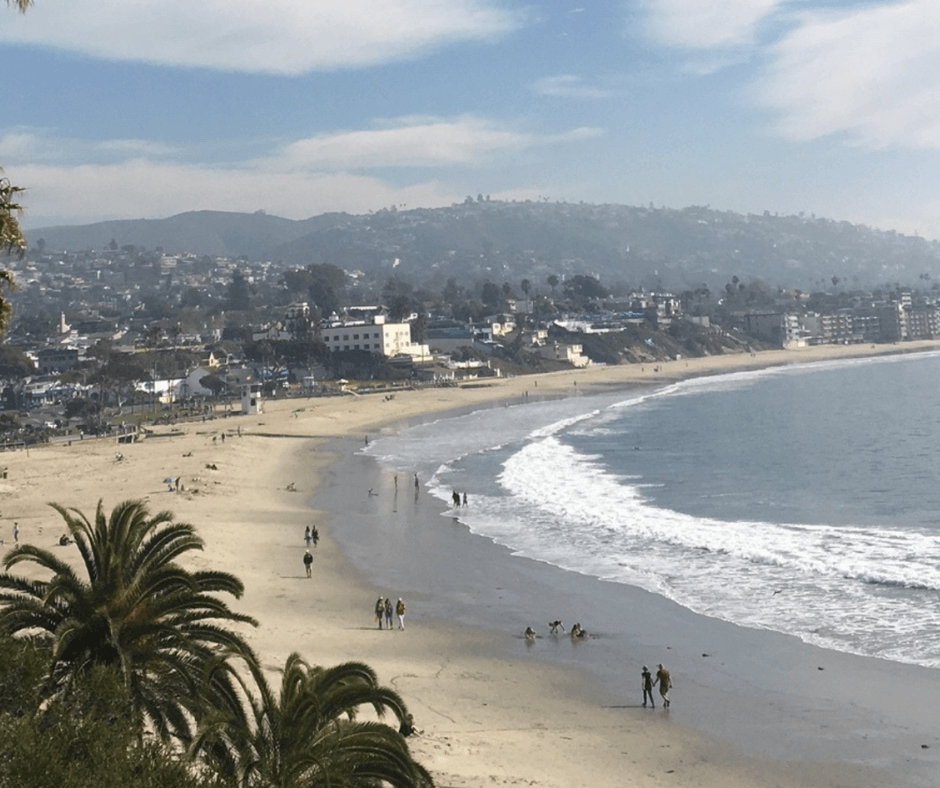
{"x": 314, "y": 535}
{"x": 665, "y": 683}
{"x": 648, "y": 686}
{"x": 380, "y": 610}
{"x": 400, "y": 612}
{"x": 530, "y": 633}
{"x": 456, "y": 498}
{"x": 417, "y": 485}
{"x": 578, "y": 632}
{"x": 554, "y": 626}
{"x": 389, "y": 610}
{"x": 16, "y": 532}
{"x": 308, "y": 538}
{"x": 308, "y": 562}
{"x": 464, "y": 499}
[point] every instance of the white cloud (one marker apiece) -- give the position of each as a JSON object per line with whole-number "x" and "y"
{"x": 873, "y": 74}
{"x": 76, "y": 181}
{"x": 415, "y": 142}
{"x": 706, "y": 24}
{"x": 142, "y": 189}
{"x": 570, "y": 86}
{"x": 38, "y": 145}
{"x": 275, "y": 36}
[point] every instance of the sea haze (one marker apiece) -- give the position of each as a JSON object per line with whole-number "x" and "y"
{"x": 801, "y": 499}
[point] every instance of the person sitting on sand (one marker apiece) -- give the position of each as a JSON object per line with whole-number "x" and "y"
{"x": 529, "y": 633}
{"x": 578, "y": 632}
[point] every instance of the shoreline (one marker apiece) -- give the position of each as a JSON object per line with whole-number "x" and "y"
{"x": 492, "y": 709}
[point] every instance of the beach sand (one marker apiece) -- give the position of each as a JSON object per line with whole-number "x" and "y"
{"x": 750, "y": 708}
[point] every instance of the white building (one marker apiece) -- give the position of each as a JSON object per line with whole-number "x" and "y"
{"x": 374, "y": 335}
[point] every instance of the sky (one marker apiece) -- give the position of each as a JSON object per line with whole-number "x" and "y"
{"x": 149, "y": 108}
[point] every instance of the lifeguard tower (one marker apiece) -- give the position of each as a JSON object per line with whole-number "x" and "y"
{"x": 252, "y": 399}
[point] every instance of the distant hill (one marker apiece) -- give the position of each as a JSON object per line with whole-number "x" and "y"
{"x": 508, "y": 241}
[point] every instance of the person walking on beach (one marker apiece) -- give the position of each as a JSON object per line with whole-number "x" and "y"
{"x": 307, "y": 537}
{"x": 308, "y": 562}
{"x": 665, "y": 683}
{"x": 647, "y": 686}
{"x": 16, "y": 532}
{"x": 380, "y": 610}
{"x": 388, "y": 612}
{"x": 400, "y": 612}
{"x": 314, "y": 535}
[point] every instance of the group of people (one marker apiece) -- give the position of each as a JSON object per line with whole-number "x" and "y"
{"x": 384, "y": 610}
{"x": 577, "y": 631}
{"x": 665, "y": 684}
{"x": 456, "y": 499}
{"x": 311, "y": 537}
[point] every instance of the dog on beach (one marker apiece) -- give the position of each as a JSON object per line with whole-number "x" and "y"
{"x": 555, "y": 626}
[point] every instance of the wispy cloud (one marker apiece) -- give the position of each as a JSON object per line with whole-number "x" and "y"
{"x": 143, "y": 189}
{"x": 570, "y": 86}
{"x": 40, "y": 146}
{"x": 415, "y": 142}
{"x": 705, "y": 24}
{"x": 277, "y": 36}
{"x": 871, "y": 74}
{"x": 82, "y": 181}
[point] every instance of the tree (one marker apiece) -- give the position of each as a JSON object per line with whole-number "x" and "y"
{"x": 15, "y": 363}
{"x": 307, "y": 735}
{"x": 136, "y": 610}
{"x": 492, "y": 296}
{"x": 552, "y": 281}
{"x": 12, "y": 241}
{"x": 526, "y": 286}
{"x": 20, "y": 5}
{"x": 238, "y": 297}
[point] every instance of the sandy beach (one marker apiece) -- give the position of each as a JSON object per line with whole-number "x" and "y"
{"x": 751, "y": 708}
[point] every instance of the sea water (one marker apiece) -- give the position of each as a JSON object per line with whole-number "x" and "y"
{"x": 802, "y": 499}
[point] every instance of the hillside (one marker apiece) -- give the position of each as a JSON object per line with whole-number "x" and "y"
{"x": 508, "y": 241}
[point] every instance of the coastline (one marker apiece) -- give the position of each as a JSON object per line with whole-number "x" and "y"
{"x": 757, "y": 711}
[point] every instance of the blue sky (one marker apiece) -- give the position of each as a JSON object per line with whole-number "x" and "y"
{"x": 147, "y": 108}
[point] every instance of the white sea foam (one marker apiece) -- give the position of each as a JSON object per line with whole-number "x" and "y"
{"x": 860, "y": 587}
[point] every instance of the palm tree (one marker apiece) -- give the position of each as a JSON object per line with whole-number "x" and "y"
{"x": 136, "y": 610}
{"x": 308, "y": 736}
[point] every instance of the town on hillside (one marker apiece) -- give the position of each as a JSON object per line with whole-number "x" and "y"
{"x": 100, "y": 340}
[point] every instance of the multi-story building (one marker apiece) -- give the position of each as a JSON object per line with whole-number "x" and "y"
{"x": 373, "y": 335}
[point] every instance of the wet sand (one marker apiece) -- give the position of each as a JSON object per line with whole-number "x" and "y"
{"x": 756, "y": 711}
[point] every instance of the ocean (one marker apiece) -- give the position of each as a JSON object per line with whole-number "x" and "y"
{"x": 800, "y": 499}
